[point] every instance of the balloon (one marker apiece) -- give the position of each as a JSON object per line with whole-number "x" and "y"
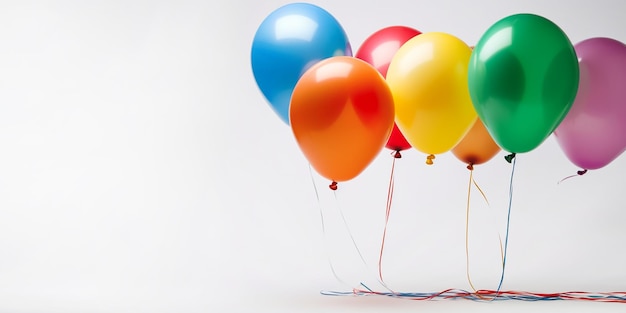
{"x": 378, "y": 50}
{"x": 428, "y": 80}
{"x": 593, "y": 133}
{"x": 397, "y": 142}
{"x": 477, "y": 146}
{"x": 380, "y": 47}
{"x": 287, "y": 43}
{"x": 341, "y": 116}
{"x": 523, "y": 77}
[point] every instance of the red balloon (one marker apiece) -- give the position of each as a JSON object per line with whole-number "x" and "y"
{"x": 380, "y": 47}
{"x": 396, "y": 141}
{"x": 378, "y": 50}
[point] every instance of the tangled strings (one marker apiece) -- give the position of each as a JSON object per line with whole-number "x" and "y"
{"x": 489, "y": 295}
{"x": 482, "y": 295}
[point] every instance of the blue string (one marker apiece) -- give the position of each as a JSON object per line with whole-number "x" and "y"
{"x": 484, "y": 295}
{"x": 508, "y": 223}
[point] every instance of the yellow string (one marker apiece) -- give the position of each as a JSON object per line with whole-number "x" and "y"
{"x": 487, "y": 201}
{"x": 467, "y": 215}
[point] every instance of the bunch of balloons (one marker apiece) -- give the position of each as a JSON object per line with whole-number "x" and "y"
{"x": 523, "y": 81}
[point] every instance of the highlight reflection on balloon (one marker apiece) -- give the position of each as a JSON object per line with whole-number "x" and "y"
{"x": 593, "y": 133}
{"x": 523, "y": 78}
{"x": 428, "y": 79}
{"x": 378, "y": 50}
{"x": 290, "y": 40}
{"x": 341, "y": 116}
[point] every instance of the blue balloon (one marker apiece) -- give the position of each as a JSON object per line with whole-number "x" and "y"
{"x": 289, "y": 41}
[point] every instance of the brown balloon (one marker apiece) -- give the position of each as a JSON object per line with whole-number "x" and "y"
{"x": 477, "y": 146}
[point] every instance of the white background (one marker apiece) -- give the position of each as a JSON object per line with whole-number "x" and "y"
{"x": 141, "y": 170}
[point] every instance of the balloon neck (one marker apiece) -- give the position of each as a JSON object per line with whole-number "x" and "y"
{"x": 470, "y": 167}
{"x": 333, "y": 185}
{"x": 509, "y": 158}
{"x": 397, "y": 154}
{"x": 582, "y": 172}
{"x": 429, "y": 159}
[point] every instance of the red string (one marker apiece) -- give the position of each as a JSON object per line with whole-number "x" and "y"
{"x": 476, "y": 295}
{"x": 387, "y": 213}
{"x": 499, "y": 295}
{"x": 578, "y": 173}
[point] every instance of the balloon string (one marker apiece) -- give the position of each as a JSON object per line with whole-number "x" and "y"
{"x": 479, "y": 190}
{"x": 488, "y": 295}
{"x": 354, "y": 244}
{"x": 453, "y": 294}
{"x": 387, "y": 213}
{"x": 467, "y": 216}
{"x": 579, "y": 173}
{"x": 508, "y": 224}
{"x": 487, "y": 201}
{"x": 491, "y": 295}
{"x": 323, "y": 225}
{"x": 345, "y": 223}
{"x": 472, "y": 181}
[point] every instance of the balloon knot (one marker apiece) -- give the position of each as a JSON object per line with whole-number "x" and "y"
{"x": 509, "y": 158}
{"x": 333, "y": 185}
{"x": 470, "y": 167}
{"x": 397, "y": 155}
{"x": 581, "y": 172}
{"x": 429, "y": 159}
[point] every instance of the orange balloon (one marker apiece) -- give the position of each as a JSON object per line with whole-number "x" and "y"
{"x": 477, "y": 146}
{"x": 341, "y": 114}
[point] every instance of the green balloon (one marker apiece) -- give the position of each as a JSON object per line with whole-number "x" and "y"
{"x": 523, "y": 78}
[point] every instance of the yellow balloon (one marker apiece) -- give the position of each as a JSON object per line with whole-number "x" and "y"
{"x": 428, "y": 80}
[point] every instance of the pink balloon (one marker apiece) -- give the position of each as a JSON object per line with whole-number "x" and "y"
{"x": 593, "y": 133}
